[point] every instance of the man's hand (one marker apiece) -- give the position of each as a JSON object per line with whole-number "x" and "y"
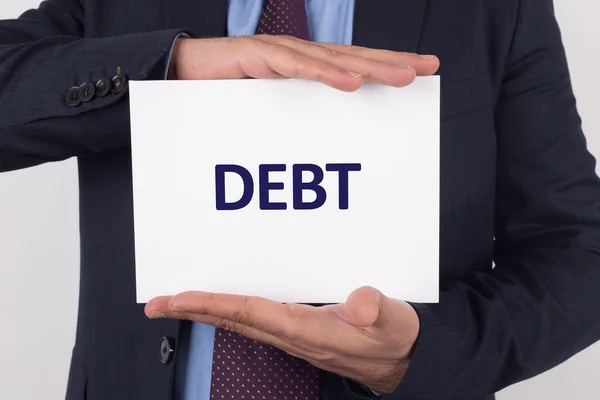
{"x": 368, "y": 339}
{"x": 268, "y": 56}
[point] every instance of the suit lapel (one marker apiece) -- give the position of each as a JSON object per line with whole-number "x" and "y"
{"x": 389, "y": 24}
{"x": 204, "y": 18}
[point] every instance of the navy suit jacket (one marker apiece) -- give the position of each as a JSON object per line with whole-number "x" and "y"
{"x": 518, "y": 186}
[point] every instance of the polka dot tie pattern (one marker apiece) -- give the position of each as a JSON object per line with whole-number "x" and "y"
{"x": 246, "y": 369}
{"x": 284, "y": 17}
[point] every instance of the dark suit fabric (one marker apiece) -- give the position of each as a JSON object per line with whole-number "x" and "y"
{"x": 518, "y": 186}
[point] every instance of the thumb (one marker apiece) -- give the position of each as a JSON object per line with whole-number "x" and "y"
{"x": 367, "y": 306}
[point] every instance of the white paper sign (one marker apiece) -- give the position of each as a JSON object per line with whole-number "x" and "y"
{"x": 341, "y": 228}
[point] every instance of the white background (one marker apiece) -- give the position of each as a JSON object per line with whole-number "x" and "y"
{"x": 39, "y": 251}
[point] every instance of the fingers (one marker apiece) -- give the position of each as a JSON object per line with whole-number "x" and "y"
{"x": 290, "y": 63}
{"x": 156, "y": 307}
{"x": 194, "y": 306}
{"x": 385, "y": 70}
{"x": 363, "y": 306}
{"x": 269, "y": 57}
{"x": 367, "y": 307}
{"x": 255, "y": 312}
{"x": 301, "y": 326}
{"x": 424, "y": 65}
{"x": 191, "y": 306}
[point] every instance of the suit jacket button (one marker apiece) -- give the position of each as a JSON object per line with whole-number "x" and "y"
{"x": 86, "y": 92}
{"x": 118, "y": 83}
{"x": 72, "y": 98}
{"x": 102, "y": 87}
{"x": 167, "y": 349}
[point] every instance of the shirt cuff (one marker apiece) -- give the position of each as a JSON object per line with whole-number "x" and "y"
{"x": 180, "y": 36}
{"x": 360, "y": 391}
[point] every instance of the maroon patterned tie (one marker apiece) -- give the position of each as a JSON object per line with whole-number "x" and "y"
{"x": 285, "y": 17}
{"x": 244, "y": 368}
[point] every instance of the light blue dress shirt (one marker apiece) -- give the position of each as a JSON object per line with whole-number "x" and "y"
{"x": 330, "y": 21}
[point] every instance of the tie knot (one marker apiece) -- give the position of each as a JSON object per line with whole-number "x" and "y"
{"x": 284, "y": 17}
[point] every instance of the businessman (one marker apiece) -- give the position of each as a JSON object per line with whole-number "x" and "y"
{"x": 518, "y": 190}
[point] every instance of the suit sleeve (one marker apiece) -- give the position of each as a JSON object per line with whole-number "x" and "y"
{"x": 539, "y": 306}
{"x": 42, "y": 55}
